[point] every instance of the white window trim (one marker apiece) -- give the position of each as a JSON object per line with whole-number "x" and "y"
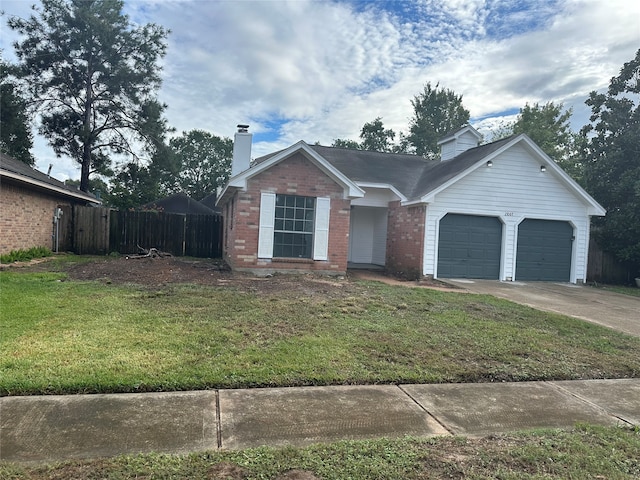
{"x": 267, "y": 220}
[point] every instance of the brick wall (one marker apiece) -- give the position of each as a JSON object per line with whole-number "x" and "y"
{"x": 405, "y": 240}
{"x": 293, "y": 176}
{"x": 26, "y": 218}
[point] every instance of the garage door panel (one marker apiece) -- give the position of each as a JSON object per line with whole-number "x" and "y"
{"x": 469, "y": 246}
{"x": 544, "y": 250}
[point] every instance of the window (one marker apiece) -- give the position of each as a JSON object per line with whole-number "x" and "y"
{"x": 300, "y": 228}
{"x": 293, "y": 226}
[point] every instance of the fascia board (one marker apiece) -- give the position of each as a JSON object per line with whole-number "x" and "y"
{"x": 47, "y": 186}
{"x": 386, "y": 186}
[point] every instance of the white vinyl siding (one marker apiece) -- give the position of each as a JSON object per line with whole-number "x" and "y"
{"x": 265, "y": 235}
{"x": 513, "y": 189}
{"x": 321, "y": 232}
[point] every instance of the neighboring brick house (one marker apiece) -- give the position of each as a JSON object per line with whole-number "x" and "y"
{"x": 29, "y": 200}
{"x": 502, "y": 210}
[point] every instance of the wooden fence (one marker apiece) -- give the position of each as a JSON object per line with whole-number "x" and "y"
{"x": 604, "y": 267}
{"x": 96, "y": 230}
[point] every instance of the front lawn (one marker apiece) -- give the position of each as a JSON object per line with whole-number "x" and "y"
{"x": 64, "y": 336}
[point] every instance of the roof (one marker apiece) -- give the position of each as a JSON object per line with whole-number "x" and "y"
{"x": 458, "y": 132}
{"x": 414, "y": 177}
{"x": 19, "y": 172}
{"x": 411, "y": 175}
{"x": 179, "y": 203}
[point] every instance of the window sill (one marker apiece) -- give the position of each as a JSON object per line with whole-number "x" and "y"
{"x": 291, "y": 260}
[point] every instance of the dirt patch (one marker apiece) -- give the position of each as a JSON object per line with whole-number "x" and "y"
{"x": 163, "y": 272}
{"x": 160, "y": 272}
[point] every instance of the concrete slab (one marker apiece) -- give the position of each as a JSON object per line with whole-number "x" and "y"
{"x": 618, "y": 397}
{"x": 49, "y": 428}
{"x": 484, "y": 408}
{"x": 301, "y": 416}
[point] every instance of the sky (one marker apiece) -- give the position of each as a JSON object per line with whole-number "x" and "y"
{"x": 318, "y": 70}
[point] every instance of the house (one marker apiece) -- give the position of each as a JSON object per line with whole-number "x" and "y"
{"x": 30, "y": 205}
{"x": 503, "y": 211}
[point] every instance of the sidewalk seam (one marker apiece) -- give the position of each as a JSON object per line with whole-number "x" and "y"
{"x": 218, "y": 420}
{"x": 451, "y": 432}
{"x": 588, "y": 402}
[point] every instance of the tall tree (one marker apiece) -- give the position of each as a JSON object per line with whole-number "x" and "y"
{"x": 548, "y": 126}
{"x": 16, "y": 138}
{"x": 94, "y": 76}
{"x": 436, "y": 112}
{"x": 612, "y": 169}
{"x": 203, "y": 163}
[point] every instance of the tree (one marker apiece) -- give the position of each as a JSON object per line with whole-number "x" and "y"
{"x": 93, "y": 76}
{"x": 548, "y": 126}
{"x": 437, "y": 111}
{"x": 612, "y": 168}
{"x": 133, "y": 186}
{"x": 376, "y": 138}
{"x": 203, "y": 162}
{"x": 346, "y": 143}
{"x": 16, "y": 138}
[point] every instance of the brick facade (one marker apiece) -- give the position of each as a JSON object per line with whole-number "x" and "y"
{"x": 405, "y": 240}
{"x": 26, "y": 218}
{"x": 295, "y": 175}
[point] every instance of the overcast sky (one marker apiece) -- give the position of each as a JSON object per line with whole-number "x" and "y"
{"x": 318, "y": 70}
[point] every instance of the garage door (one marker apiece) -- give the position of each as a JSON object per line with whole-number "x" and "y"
{"x": 544, "y": 250}
{"x": 469, "y": 247}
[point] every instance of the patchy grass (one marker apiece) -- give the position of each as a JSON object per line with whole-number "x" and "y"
{"x": 632, "y": 291}
{"x": 61, "y": 336}
{"x": 585, "y": 452}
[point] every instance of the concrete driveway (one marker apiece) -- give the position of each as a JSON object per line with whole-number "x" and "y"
{"x": 613, "y": 310}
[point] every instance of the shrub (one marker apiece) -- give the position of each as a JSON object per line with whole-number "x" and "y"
{"x": 25, "y": 255}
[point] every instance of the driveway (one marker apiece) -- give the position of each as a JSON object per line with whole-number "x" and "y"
{"x": 613, "y": 310}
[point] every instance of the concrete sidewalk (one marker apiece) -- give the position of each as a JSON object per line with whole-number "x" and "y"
{"x": 54, "y": 428}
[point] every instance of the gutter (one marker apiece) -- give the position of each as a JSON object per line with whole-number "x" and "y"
{"x": 47, "y": 186}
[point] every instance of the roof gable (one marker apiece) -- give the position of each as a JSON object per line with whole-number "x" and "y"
{"x": 240, "y": 181}
{"x": 466, "y": 130}
{"x": 452, "y": 171}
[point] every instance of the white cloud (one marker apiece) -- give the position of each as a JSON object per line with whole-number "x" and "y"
{"x": 320, "y": 70}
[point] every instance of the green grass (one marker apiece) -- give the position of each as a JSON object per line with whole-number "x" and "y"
{"x": 61, "y": 336}
{"x": 584, "y": 452}
{"x": 632, "y": 291}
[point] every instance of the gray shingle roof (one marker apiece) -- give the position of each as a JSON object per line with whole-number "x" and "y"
{"x": 22, "y": 171}
{"x": 411, "y": 175}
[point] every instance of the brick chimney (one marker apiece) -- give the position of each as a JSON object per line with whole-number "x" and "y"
{"x": 241, "y": 150}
